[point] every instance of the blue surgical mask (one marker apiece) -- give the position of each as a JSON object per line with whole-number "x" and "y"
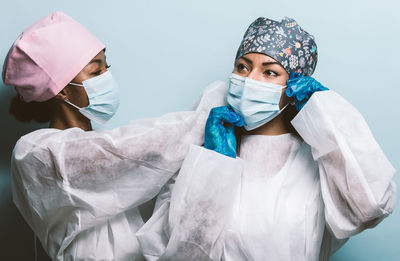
{"x": 257, "y": 102}
{"x": 103, "y": 94}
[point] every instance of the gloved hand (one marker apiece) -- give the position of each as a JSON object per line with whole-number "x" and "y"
{"x": 220, "y": 137}
{"x": 301, "y": 88}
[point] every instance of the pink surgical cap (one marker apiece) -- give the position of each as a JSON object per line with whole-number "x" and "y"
{"x": 48, "y": 55}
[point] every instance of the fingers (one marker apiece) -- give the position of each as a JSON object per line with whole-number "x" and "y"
{"x": 302, "y": 87}
{"x": 230, "y": 132}
{"x": 226, "y": 114}
{"x": 219, "y": 137}
{"x": 295, "y": 75}
{"x": 290, "y": 89}
{"x": 230, "y": 141}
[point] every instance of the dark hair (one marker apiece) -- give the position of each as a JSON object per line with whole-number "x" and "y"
{"x": 288, "y": 115}
{"x": 27, "y": 111}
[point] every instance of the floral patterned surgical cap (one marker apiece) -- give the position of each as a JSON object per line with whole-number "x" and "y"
{"x": 285, "y": 41}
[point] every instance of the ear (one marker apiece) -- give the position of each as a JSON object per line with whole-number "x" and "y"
{"x": 62, "y": 95}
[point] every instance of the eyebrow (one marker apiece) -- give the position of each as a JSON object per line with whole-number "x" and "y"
{"x": 263, "y": 64}
{"x": 99, "y": 61}
{"x": 247, "y": 60}
{"x": 269, "y": 63}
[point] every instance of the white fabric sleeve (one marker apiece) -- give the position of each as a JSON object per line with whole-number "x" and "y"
{"x": 154, "y": 235}
{"x": 65, "y": 182}
{"x": 356, "y": 177}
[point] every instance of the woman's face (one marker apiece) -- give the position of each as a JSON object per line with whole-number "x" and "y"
{"x": 263, "y": 68}
{"x": 95, "y": 67}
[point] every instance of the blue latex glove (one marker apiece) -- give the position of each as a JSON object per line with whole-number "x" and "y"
{"x": 301, "y": 88}
{"x": 220, "y": 137}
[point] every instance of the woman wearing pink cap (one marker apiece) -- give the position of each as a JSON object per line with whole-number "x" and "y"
{"x": 79, "y": 190}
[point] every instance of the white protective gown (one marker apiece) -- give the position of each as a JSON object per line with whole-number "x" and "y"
{"x": 285, "y": 198}
{"x": 79, "y": 191}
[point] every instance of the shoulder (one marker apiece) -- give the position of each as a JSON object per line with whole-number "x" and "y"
{"x": 34, "y": 146}
{"x": 29, "y": 157}
{"x": 32, "y": 140}
{"x": 35, "y": 154}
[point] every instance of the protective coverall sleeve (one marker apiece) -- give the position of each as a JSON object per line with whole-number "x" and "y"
{"x": 66, "y": 182}
{"x": 154, "y": 235}
{"x": 189, "y": 225}
{"x": 356, "y": 177}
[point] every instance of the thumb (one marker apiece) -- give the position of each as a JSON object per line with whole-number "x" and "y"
{"x": 231, "y": 138}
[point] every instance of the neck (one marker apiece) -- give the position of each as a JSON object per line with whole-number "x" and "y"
{"x": 276, "y": 126}
{"x": 65, "y": 116}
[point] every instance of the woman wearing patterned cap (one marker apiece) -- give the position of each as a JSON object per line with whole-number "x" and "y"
{"x": 306, "y": 175}
{"x": 79, "y": 190}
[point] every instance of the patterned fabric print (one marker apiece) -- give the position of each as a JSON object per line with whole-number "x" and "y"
{"x": 285, "y": 41}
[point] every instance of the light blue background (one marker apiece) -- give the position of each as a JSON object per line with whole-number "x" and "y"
{"x": 163, "y": 53}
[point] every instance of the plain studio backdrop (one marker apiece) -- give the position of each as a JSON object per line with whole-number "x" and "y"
{"x": 163, "y": 53}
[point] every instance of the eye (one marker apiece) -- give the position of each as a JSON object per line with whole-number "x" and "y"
{"x": 96, "y": 72}
{"x": 270, "y": 73}
{"x": 240, "y": 67}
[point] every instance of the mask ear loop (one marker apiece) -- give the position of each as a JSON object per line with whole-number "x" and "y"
{"x": 66, "y": 99}
{"x": 284, "y": 107}
{"x": 76, "y": 84}
{"x": 290, "y": 102}
{"x": 86, "y": 114}
{"x": 70, "y": 103}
